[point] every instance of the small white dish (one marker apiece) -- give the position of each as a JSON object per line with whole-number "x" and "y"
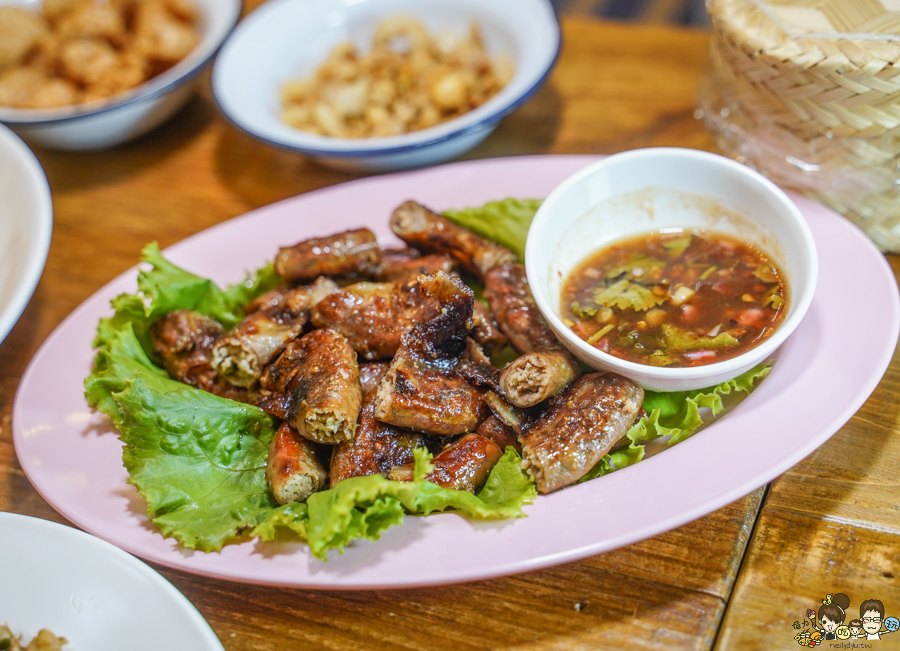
{"x": 93, "y": 594}
{"x": 289, "y": 39}
{"x": 106, "y": 123}
{"x": 651, "y": 189}
{"x": 26, "y": 224}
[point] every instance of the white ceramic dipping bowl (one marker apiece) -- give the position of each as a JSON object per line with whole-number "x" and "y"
{"x": 290, "y": 39}
{"x": 106, "y": 123}
{"x": 646, "y": 190}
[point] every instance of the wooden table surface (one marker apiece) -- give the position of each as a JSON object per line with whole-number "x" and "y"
{"x": 735, "y": 579}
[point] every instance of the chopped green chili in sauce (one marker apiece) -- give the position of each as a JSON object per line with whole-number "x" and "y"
{"x": 683, "y": 298}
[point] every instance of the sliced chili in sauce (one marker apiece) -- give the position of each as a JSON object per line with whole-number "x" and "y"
{"x": 684, "y": 298}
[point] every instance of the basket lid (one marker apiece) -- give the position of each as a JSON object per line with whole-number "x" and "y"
{"x": 849, "y": 33}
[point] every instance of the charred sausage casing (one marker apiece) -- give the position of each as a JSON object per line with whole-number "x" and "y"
{"x": 184, "y": 341}
{"x": 421, "y": 389}
{"x": 294, "y": 470}
{"x": 579, "y": 427}
{"x": 545, "y": 367}
{"x": 376, "y": 448}
{"x": 463, "y": 465}
{"x": 241, "y": 356}
{"x": 408, "y": 263}
{"x": 509, "y": 296}
{"x": 424, "y": 229}
{"x": 370, "y": 375}
{"x": 375, "y": 316}
{"x": 315, "y": 292}
{"x": 336, "y": 255}
{"x": 324, "y": 390}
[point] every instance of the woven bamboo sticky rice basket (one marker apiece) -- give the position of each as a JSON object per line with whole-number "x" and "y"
{"x": 808, "y": 92}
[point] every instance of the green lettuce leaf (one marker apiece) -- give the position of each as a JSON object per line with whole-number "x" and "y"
{"x": 615, "y": 461}
{"x": 166, "y": 287}
{"x": 679, "y": 411}
{"x": 505, "y": 222}
{"x": 508, "y": 486}
{"x": 199, "y": 460}
{"x": 119, "y": 360}
{"x": 363, "y": 507}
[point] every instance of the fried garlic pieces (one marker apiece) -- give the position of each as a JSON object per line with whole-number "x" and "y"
{"x": 82, "y": 50}
{"x": 410, "y": 80}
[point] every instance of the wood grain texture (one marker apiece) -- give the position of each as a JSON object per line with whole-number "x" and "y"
{"x": 615, "y": 87}
{"x": 830, "y": 524}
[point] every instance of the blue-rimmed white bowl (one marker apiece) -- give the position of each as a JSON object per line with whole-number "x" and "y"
{"x": 290, "y": 39}
{"x": 105, "y": 123}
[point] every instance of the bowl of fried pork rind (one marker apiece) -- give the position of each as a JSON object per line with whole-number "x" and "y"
{"x": 388, "y": 85}
{"x": 92, "y": 74}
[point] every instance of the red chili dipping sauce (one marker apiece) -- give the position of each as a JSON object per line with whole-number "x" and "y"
{"x": 684, "y": 298}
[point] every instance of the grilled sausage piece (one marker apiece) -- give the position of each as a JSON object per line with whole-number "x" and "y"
{"x": 424, "y": 229}
{"x": 293, "y": 469}
{"x": 463, "y": 465}
{"x": 535, "y": 376}
{"x": 421, "y": 390}
{"x": 376, "y": 448}
{"x": 545, "y": 367}
{"x": 319, "y": 289}
{"x": 324, "y": 389}
{"x": 404, "y": 264}
{"x": 184, "y": 341}
{"x": 500, "y": 433}
{"x": 370, "y": 375}
{"x": 339, "y": 254}
{"x": 485, "y": 329}
{"x": 240, "y": 356}
{"x": 375, "y": 316}
{"x": 577, "y": 428}
{"x": 507, "y": 292}
{"x": 476, "y": 369}
{"x": 274, "y": 397}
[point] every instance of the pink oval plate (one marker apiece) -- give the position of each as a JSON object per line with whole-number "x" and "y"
{"x": 73, "y": 457}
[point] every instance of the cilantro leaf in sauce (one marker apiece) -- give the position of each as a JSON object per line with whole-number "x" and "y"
{"x": 765, "y": 273}
{"x": 626, "y": 294}
{"x": 637, "y": 266}
{"x": 677, "y": 246}
{"x": 681, "y": 340}
{"x": 583, "y": 311}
